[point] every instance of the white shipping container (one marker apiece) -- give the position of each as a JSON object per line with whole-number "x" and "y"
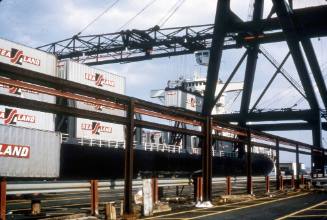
{"x": 26, "y": 118}
{"x": 27, "y": 58}
{"x": 181, "y": 99}
{"x": 90, "y": 76}
{"x": 28, "y": 152}
{"x": 91, "y": 129}
{"x": 100, "y": 79}
{"x": 31, "y": 59}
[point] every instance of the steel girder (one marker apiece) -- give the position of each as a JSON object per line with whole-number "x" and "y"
{"x": 285, "y": 126}
{"x": 251, "y": 64}
{"x": 137, "y": 45}
{"x": 285, "y": 115}
{"x": 219, "y": 33}
{"x": 290, "y": 29}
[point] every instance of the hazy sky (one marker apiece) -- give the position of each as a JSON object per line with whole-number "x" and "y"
{"x": 38, "y": 22}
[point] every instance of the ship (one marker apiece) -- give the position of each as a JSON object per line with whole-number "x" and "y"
{"x": 163, "y": 154}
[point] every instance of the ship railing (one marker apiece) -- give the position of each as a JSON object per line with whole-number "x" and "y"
{"x": 217, "y": 153}
{"x": 170, "y": 148}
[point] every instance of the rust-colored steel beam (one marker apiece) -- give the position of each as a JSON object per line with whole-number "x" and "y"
{"x": 69, "y": 95}
{"x": 267, "y": 184}
{"x": 228, "y": 185}
{"x": 298, "y": 167}
{"x": 3, "y": 202}
{"x": 249, "y": 186}
{"x": 207, "y": 160}
{"x": 129, "y": 160}
{"x": 277, "y": 166}
{"x": 94, "y": 198}
{"x": 199, "y": 189}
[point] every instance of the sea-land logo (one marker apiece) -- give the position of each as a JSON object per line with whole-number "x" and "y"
{"x": 99, "y": 79}
{"x": 12, "y": 116}
{"x": 96, "y": 128}
{"x": 18, "y": 57}
{"x": 17, "y": 151}
{"x": 193, "y": 102}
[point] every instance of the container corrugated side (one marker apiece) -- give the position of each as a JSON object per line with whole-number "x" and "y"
{"x": 27, "y": 58}
{"x": 91, "y": 129}
{"x": 181, "y": 99}
{"x": 90, "y": 76}
{"x": 100, "y": 79}
{"x": 26, "y": 118}
{"x": 37, "y": 152}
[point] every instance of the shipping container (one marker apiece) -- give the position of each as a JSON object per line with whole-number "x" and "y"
{"x": 90, "y": 76}
{"x": 26, "y": 152}
{"x": 91, "y": 129}
{"x": 31, "y": 59}
{"x": 27, "y": 58}
{"x": 84, "y": 128}
{"x": 182, "y": 99}
{"x": 26, "y": 118}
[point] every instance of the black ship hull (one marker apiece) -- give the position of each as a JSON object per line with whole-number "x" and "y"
{"x": 83, "y": 162}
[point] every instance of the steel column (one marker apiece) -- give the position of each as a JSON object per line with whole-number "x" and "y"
{"x": 293, "y": 40}
{"x": 3, "y": 202}
{"x": 315, "y": 68}
{"x": 207, "y": 160}
{"x": 267, "y": 184}
{"x": 281, "y": 184}
{"x": 228, "y": 185}
{"x": 251, "y": 64}
{"x": 277, "y": 166}
{"x": 298, "y": 167}
{"x": 219, "y": 32}
{"x": 128, "y": 208}
{"x": 249, "y": 186}
{"x": 94, "y": 198}
{"x": 316, "y": 128}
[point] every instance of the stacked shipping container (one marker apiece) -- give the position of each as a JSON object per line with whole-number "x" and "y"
{"x": 29, "y": 147}
{"x": 31, "y": 59}
{"x": 84, "y": 128}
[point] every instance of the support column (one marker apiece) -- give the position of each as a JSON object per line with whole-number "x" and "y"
{"x": 128, "y": 208}
{"x": 251, "y": 63}
{"x": 298, "y": 167}
{"x": 3, "y": 202}
{"x": 293, "y": 37}
{"x": 94, "y": 198}
{"x": 229, "y": 185}
{"x": 315, "y": 69}
{"x": 207, "y": 160}
{"x": 316, "y": 129}
{"x": 249, "y": 186}
{"x": 267, "y": 185}
{"x": 219, "y": 32}
{"x": 277, "y": 166}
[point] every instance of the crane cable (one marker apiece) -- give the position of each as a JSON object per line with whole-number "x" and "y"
{"x": 98, "y": 17}
{"x": 137, "y": 14}
{"x": 171, "y": 12}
